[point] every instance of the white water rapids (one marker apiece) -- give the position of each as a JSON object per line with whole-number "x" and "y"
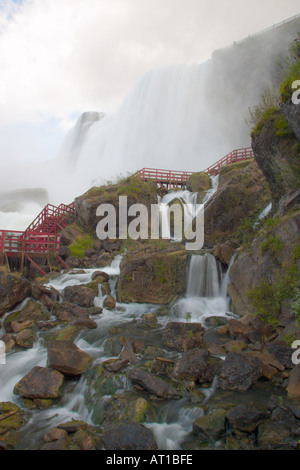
{"x": 174, "y": 421}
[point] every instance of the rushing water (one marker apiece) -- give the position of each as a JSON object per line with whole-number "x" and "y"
{"x": 174, "y": 418}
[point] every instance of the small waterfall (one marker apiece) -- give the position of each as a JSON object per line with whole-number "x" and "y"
{"x": 203, "y": 279}
{"x": 188, "y": 200}
{"x": 206, "y": 292}
{"x": 214, "y": 186}
{"x": 226, "y": 279}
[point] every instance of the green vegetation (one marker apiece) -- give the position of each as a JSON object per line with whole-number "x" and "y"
{"x": 80, "y": 244}
{"x": 295, "y": 305}
{"x": 273, "y": 244}
{"x": 273, "y": 115}
{"x": 269, "y": 107}
{"x": 292, "y": 67}
{"x": 267, "y": 296}
{"x": 126, "y": 186}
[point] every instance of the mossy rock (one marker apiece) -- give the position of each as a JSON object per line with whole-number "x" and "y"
{"x": 11, "y": 418}
{"x": 32, "y": 311}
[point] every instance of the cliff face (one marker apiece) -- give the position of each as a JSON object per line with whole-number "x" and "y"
{"x": 242, "y": 193}
{"x": 265, "y": 275}
{"x": 277, "y": 150}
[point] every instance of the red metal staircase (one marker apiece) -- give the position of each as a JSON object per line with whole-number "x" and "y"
{"x": 40, "y": 239}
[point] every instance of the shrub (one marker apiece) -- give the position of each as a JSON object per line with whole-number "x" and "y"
{"x": 81, "y": 243}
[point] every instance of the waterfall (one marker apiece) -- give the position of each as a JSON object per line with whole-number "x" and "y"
{"x": 203, "y": 279}
{"x": 190, "y": 205}
{"x": 206, "y": 291}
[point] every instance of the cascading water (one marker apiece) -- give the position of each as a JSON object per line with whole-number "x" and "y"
{"x": 203, "y": 277}
{"x": 190, "y": 207}
{"x": 206, "y": 293}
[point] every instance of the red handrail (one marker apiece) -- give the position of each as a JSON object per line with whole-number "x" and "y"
{"x": 174, "y": 176}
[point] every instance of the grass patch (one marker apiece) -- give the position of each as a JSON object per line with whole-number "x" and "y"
{"x": 80, "y": 244}
{"x": 273, "y": 115}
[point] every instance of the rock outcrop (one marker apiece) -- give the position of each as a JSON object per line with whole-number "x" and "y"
{"x": 242, "y": 193}
{"x": 13, "y": 290}
{"x": 153, "y": 274}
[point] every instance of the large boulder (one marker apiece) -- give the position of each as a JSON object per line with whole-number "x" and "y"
{"x": 247, "y": 417}
{"x": 79, "y": 295}
{"x": 199, "y": 183}
{"x": 240, "y": 372}
{"x": 13, "y": 290}
{"x": 12, "y": 418}
{"x": 183, "y": 336}
{"x": 152, "y": 275}
{"x": 67, "y": 358}
{"x": 31, "y": 314}
{"x": 136, "y": 191}
{"x": 211, "y": 425}
{"x": 192, "y": 365}
{"x": 40, "y": 382}
{"x": 133, "y": 436}
{"x": 153, "y": 384}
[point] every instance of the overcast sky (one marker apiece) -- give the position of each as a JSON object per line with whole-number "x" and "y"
{"x": 59, "y": 58}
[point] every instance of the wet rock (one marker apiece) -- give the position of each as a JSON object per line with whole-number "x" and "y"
{"x": 224, "y": 252}
{"x": 105, "y": 259}
{"x": 153, "y": 384}
{"x": 100, "y": 276}
{"x": 282, "y": 353}
{"x": 11, "y": 420}
{"x": 73, "y": 435}
{"x": 246, "y": 417}
{"x": 9, "y": 341}
{"x": 211, "y": 425}
{"x": 25, "y": 339}
{"x": 84, "y": 323}
{"x": 128, "y": 352}
{"x": 55, "y": 435}
{"x": 40, "y": 382}
{"x": 16, "y": 327}
{"x": 240, "y": 371}
{"x": 153, "y": 275}
{"x": 123, "y": 409}
{"x": 79, "y": 295}
{"x": 134, "y": 436}
{"x": 279, "y": 429}
{"x": 192, "y": 365}
{"x": 109, "y": 302}
{"x": 33, "y": 311}
{"x": 69, "y": 311}
{"x": 67, "y": 358}
{"x": 183, "y": 336}
{"x": 13, "y": 290}
{"x": 11, "y": 417}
